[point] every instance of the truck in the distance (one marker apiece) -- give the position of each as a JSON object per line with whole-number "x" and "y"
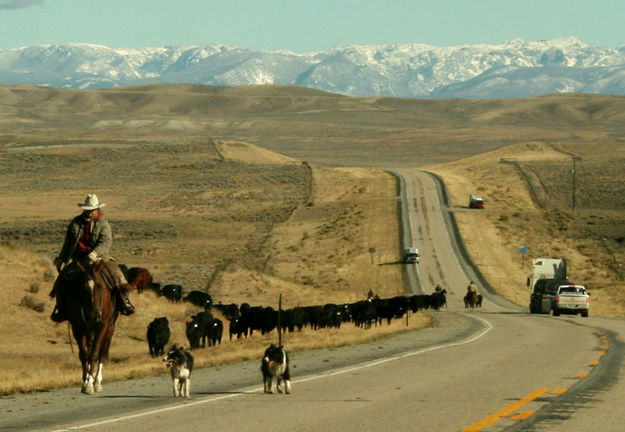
{"x": 551, "y": 291}
{"x": 544, "y": 270}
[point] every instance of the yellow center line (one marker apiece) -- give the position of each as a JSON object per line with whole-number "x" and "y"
{"x": 523, "y": 415}
{"x": 504, "y": 412}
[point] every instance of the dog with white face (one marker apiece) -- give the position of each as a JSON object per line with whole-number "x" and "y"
{"x": 275, "y": 364}
{"x": 180, "y": 363}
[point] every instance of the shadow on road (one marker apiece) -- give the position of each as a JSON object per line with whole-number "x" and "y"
{"x": 215, "y": 393}
{"x": 126, "y": 396}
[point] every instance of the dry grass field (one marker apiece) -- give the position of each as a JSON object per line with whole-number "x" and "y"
{"x": 252, "y": 192}
{"x": 228, "y": 218}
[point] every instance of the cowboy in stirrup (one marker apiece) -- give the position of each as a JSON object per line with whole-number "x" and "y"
{"x": 88, "y": 239}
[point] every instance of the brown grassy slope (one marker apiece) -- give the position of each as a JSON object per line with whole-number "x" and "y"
{"x": 514, "y": 218}
{"x": 255, "y": 225}
{"x": 307, "y": 124}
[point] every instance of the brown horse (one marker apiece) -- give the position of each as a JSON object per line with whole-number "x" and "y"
{"x": 470, "y": 299}
{"x": 92, "y": 313}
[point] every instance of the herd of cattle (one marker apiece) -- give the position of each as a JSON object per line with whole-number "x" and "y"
{"x": 205, "y": 329}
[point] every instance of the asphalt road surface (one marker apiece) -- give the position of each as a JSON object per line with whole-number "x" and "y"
{"x": 496, "y": 368}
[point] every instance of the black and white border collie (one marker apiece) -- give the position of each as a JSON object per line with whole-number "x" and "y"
{"x": 180, "y": 363}
{"x": 275, "y": 364}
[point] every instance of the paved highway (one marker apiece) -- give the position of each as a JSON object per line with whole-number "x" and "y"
{"x": 495, "y": 369}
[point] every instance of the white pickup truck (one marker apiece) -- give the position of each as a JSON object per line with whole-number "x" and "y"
{"x": 570, "y": 299}
{"x": 411, "y": 255}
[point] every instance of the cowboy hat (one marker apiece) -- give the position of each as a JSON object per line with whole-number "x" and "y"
{"x": 91, "y": 203}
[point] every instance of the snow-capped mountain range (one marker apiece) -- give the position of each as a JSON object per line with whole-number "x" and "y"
{"x": 513, "y": 69}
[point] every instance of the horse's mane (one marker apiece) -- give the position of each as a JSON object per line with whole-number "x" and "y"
{"x": 98, "y": 270}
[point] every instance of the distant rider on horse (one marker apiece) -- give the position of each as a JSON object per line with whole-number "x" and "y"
{"x": 472, "y": 288}
{"x": 88, "y": 240}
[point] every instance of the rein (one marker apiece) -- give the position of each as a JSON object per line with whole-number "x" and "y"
{"x": 69, "y": 336}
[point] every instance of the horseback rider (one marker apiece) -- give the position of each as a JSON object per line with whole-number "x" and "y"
{"x": 88, "y": 239}
{"x": 472, "y": 288}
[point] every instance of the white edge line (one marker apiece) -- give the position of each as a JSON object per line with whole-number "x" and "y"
{"x": 488, "y": 327}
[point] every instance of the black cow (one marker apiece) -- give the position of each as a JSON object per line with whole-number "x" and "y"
{"x": 195, "y": 333}
{"x": 172, "y": 292}
{"x": 396, "y": 307}
{"x": 200, "y": 299}
{"x": 418, "y": 302}
{"x": 158, "y": 335}
{"x": 313, "y": 316}
{"x": 298, "y": 319}
{"x": 237, "y": 327}
{"x": 229, "y": 311}
{"x": 363, "y": 313}
{"x": 215, "y": 332}
{"x": 260, "y": 318}
{"x": 198, "y": 330}
{"x": 439, "y": 299}
{"x": 331, "y": 316}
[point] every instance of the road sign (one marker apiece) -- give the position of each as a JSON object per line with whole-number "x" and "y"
{"x": 523, "y": 251}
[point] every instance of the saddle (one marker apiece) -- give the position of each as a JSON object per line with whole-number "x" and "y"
{"x": 107, "y": 274}
{"x": 77, "y": 269}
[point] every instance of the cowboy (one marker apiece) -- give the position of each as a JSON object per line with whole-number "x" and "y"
{"x": 472, "y": 288}
{"x": 88, "y": 239}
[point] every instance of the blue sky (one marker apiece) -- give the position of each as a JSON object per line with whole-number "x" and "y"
{"x": 304, "y": 26}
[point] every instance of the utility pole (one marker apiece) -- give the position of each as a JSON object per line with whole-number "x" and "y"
{"x": 575, "y": 158}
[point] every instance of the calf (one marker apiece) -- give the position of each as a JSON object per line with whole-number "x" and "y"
{"x": 158, "y": 335}
{"x": 275, "y": 364}
{"x": 180, "y": 363}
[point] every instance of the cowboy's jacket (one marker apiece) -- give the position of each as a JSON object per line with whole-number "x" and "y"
{"x": 101, "y": 238}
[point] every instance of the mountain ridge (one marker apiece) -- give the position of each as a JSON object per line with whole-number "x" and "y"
{"x": 515, "y": 68}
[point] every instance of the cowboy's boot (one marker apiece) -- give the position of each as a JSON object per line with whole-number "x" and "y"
{"x": 126, "y": 307}
{"x": 58, "y": 314}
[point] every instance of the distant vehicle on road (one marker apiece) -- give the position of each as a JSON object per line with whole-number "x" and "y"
{"x": 410, "y": 255}
{"x": 570, "y": 299}
{"x": 553, "y": 292}
{"x": 476, "y": 202}
{"x": 544, "y": 271}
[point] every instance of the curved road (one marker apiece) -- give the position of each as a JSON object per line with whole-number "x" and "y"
{"x": 495, "y": 369}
